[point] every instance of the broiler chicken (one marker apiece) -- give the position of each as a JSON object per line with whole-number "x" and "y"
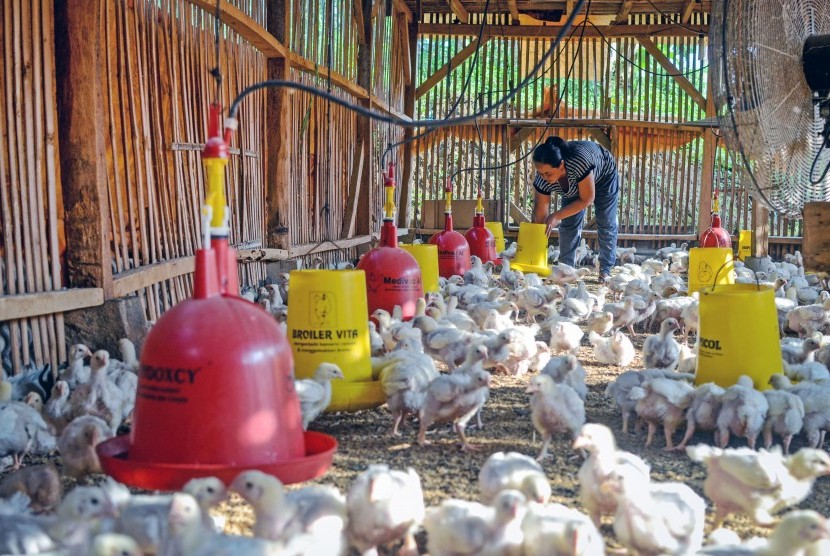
{"x": 555, "y": 409}
{"x": 557, "y": 530}
{"x": 816, "y": 399}
{"x": 662, "y": 351}
{"x": 616, "y": 350}
{"x": 600, "y": 322}
{"x": 76, "y": 372}
{"x": 443, "y": 343}
{"x": 77, "y": 443}
{"x": 702, "y": 413}
{"x": 454, "y": 398}
{"x": 785, "y": 417}
{"x": 757, "y": 483}
{"x": 513, "y": 471}
{"x": 808, "y": 319}
{"x": 315, "y": 393}
{"x": 384, "y": 506}
{"x": 742, "y": 413}
{"x": 23, "y": 431}
{"x": 58, "y": 411}
{"x": 566, "y": 369}
{"x": 40, "y": 483}
{"x": 620, "y": 388}
{"x": 565, "y": 336}
{"x": 796, "y": 354}
{"x": 797, "y": 531}
{"x": 662, "y": 401}
{"x": 404, "y": 379}
{"x": 100, "y": 397}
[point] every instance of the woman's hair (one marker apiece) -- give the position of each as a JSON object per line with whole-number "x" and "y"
{"x": 552, "y": 151}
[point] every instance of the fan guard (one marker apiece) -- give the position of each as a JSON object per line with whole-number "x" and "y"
{"x": 775, "y": 121}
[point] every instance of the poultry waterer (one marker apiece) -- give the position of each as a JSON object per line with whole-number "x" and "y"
{"x": 393, "y": 276}
{"x": 215, "y": 386}
{"x": 481, "y": 240}
{"x": 453, "y": 249}
{"x": 532, "y": 250}
{"x": 715, "y": 235}
{"x": 327, "y": 323}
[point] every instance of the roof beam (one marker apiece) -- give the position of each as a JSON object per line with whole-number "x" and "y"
{"x": 686, "y": 12}
{"x": 625, "y": 9}
{"x": 456, "y": 61}
{"x": 550, "y": 31}
{"x": 459, "y": 10}
{"x": 514, "y": 11}
{"x": 668, "y": 65}
{"x": 357, "y": 14}
{"x": 247, "y": 28}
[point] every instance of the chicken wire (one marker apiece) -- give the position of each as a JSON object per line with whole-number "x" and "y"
{"x": 763, "y": 102}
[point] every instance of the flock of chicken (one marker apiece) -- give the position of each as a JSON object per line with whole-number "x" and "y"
{"x": 437, "y": 368}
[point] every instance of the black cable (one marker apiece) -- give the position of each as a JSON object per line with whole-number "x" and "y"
{"x": 639, "y": 67}
{"x": 815, "y": 162}
{"x": 395, "y": 119}
{"x": 216, "y": 71}
{"x": 672, "y": 21}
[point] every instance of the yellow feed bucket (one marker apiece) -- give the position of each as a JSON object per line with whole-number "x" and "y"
{"x": 738, "y": 335}
{"x": 744, "y": 244}
{"x": 427, "y": 256}
{"x": 707, "y": 263}
{"x": 498, "y": 235}
{"x": 327, "y": 323}
{"x": 532, "y": 249}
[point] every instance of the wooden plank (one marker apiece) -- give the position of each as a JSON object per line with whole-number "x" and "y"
{"x": 278, "y": 138}
{"x": 454, "y": 62}
{"x": 761, "y": 230}
{"x": 338, "y": 79}
{"x": 625, "y": 9}
{"x": 383, "y": 106}
{"x": 82, "y": 149}
{"x": 588, "y": 122}
{"x": 404, "y": 50}
{"x": 514, "y": 11}
{"x": 355, "y": 182}
{"x": 405, "y": 216}
{"x": 357, "y": 15}
{"x": 25, "y": 305}
{"x": 550, "y": 31}
{"x": 459, "y": 10}
{"x": 247, "y": 28}
{"x": 686, "y": 12}
{"x": 133, "y": 280}
{"x": 707, "y": 170}
{"x": 668, "y": 65}
{"x": 362, "y": 207}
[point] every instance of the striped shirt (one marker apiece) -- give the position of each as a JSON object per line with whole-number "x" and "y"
{"x": 583, "y": 158}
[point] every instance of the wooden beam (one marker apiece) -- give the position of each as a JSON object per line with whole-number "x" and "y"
{"x": 569, "y": 7}
{"x": 459, "y": 10}
{"x": 269, "y": 45}
{"x": 514, "y": 11}
{"x": 625, "y": 9}
{"x": 355, "y": 182}
{"x": 652, "y": 48}
{"x": 406, "y": 53}
{"x": 760, "y": 229}
{"x": 402, "y": 8}
{"x": 133, "y": 280}
{"x": 309, "y": 66}
{"x": 686, "y": 12}
{"x": 382, "y": 105}
{"x": 278, "y": 137}
{"x": 405, "y": 213}
{"x": 707, "y": 178}
{"x": 454, "y": 62}
{"x": 82, "y": 145}
{"x": 550, "y": 31}
{"x": 589, "y": 122}
{"x": 601, "y": 137}
{"x": 357, "y": 15}
{"x": 47, "y": 303}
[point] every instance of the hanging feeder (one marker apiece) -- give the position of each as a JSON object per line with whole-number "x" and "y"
{"x": 715, "y": 235}
{"x": 215, "y": 389}
{"x": 453, "y": 249}
{"x": 481, "y": 240}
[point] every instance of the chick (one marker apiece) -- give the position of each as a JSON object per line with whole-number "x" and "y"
{"x": 555, "y": 408}
{"x": 603, "y": 460}
{"x": 115, "y": 544}
{"x": 565, "y": 336}
{"x": 77, "y": 443}
{"x": 795, "y": 533}
{"x": 566, "y": 369}
{"x": 785, "y": 417}
{"x": 41, "y": 483}
{"x": 616, "y": 350}
{"x": 315, "y": 393}
{"x": 58, "y": 411}
{"x": 208, "y": 492}
{"x": 556, "y": 529}
{"x": 384, "y": 506}
{"x": 662, "y": 401}
{"x": 743, "y": 411}
{"x": 76, "y": 372}
{"x": 662, "y": 351}
{"x": 513, "y": 471}
{"x": 455, "y": 398}
{"x": 405, "y": 379}
{"x": 702, "y": 413}
{"x": 600, "y": 322}
{"x": 100, "y": 397}
{"x": 23, "y": 430}
{"x": 795, "y": 354}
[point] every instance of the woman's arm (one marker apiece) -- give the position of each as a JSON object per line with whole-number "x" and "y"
{"x": 541, "y": 207}
{"x": 587, "y": 191}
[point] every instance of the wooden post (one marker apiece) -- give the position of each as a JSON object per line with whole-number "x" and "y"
{"x": 709, "y": 138}
{"x": 78, "y": 39}
{"x": 815, "y": 246}
{"x": 760, "y": 228}
{"x": 405, "y": 210}
{"x": 278, "y": 137}
{"x": 363, "y": 193}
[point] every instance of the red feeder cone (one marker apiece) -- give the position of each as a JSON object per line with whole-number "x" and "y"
{"x": 715, "y": 236}
{"x": 481, "y": 240}
{"x": 453, "y": 249}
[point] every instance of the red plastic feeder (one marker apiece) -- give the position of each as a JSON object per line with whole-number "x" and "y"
{"x": 715, "y": 236}
{"x": 481, "y": 240}
{"x": 393, "y": 276}
{"x": 453, "y": 249}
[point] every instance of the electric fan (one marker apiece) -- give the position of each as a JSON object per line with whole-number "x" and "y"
{"x": 770, "y": 71}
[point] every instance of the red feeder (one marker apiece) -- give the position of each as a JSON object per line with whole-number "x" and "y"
{"x": 393, "y": 276}
{"x": 216, "y": 387}
{"x": 481, "y": 240}
{"x": 453, "y": 249}
{"x": 715, "y": 236}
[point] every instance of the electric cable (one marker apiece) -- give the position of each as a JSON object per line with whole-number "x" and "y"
{"x": 671, "y": 20}
{"x": 216, "y": 71}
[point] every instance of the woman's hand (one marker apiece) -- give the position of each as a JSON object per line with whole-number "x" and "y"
{"x": 551, "y": 222}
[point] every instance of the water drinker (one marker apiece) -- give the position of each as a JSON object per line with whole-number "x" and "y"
{"x": 481, "y": 240}
{"x": 393, "y": 276}
{"x": 498, "y": 234}
{"x": 328, "y": 322}
{"x": 532, "y": 250}
{"x": 453, "y": 249}
{"x": 710, "y": 266}
{"x": 715, "y": 235}
{"x": 215, "y": 388}
{"x": 426, "y": 254}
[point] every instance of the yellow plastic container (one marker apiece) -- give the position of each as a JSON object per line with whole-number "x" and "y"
{"x": 706, "y": 264}
{"x": 498, "y": 235}
{"x": 738, "y": 335}
{"x": 744, "y": 244}
{"x": 327, "y": 323}
{"x": 532, "y": 249}
{"x": 427, "y": 256}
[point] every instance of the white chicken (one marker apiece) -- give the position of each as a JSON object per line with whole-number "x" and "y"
{"x": 77, "y": 443}
{"x": 443, "y": 343}
{"x": 405, "y": 379}
{"x": 58, "y": 411}
{"x": 315, "y": 393}
{"x": 561, "y": 531}
{"x": 702, "y": 413}
{"x": 600, "y": 322}
{"x": 785, "y": 417}
{"x": 662, "y": 401}
{"x": 100, "y": 397}
{"x": 76, "y": 372}
{"x": 23, "y": 431}
{"x": 567, "y": 369}
{"x": 555, "y": 409}
{"x": 454, "y": 398}
{"x": 383, "y": 506}
{"x": 565, "y": 336}
{"x": 513, "y": 471}
{"x": 616, "y": 350}
{"x": 794, "y": 534}
{"x": 662, "y": 351}
{"x": 742, "y": 413}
